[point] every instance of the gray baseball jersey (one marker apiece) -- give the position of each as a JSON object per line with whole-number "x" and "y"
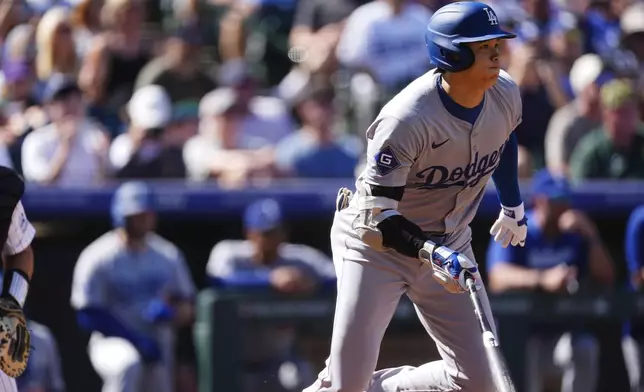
{"x": 444, "y": 164}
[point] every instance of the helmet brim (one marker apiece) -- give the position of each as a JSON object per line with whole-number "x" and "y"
{"x": 499, "y": 35}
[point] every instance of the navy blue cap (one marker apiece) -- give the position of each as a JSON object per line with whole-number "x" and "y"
{"x": 59, "y": 87}
{"x": 131, "y": 198}
{"x": 263, "y": 215}
{"x": 551, "y": 186}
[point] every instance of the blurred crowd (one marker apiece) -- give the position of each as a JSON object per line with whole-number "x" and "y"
{"x": 241, "y": 90}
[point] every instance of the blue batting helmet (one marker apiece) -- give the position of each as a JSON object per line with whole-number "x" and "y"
{"x": 130, "y": 198}
{"x": 456, "y": 24}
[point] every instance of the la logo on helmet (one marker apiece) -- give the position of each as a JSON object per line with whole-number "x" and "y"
{"x": 491, "y": 17}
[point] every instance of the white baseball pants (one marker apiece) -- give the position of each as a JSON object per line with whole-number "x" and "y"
{"x": 120, "y": 366}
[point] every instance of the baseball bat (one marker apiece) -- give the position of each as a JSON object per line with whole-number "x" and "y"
{"x": 498, "y": 366}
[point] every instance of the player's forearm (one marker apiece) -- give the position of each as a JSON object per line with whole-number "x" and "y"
{"x": 505, "y": 277}
{"x": 601, "y": 263}
{"x": 506, "y": 175}
{"x": 242, "y": 280}
{"x": 100, "y": 320}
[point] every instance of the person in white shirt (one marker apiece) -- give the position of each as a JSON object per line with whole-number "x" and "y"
{"x": 386, "y": 38}
{"x": 72, "y": 149}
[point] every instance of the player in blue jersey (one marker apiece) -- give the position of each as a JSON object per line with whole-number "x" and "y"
{"x": 563, "y": 249}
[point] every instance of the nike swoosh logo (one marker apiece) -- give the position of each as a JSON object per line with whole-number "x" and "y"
{"x": 434, "y": 145}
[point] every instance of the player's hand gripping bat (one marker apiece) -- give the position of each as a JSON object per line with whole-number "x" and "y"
{"x": 498, "y": 366}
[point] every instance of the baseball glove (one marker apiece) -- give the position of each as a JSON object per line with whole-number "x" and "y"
{"x": 15, "y": 341}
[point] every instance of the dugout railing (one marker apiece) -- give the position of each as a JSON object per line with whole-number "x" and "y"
{"x": 221, "y": 315}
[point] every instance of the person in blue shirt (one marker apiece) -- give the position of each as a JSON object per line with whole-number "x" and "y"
{"x": 317, "y": 150}
{"x": 265, "y": 259}
{"x": 563, "y": 249}
{"x": 633, "y": 343}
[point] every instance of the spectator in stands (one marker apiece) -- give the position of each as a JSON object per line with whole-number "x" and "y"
{"x": 633, "y": 344}
{"x": 525, "y": 163}
{"x": 11, "y": 15}
{"x": 178, "y": 70}
{"x": 616, "y": 150}
{"x": 572, "y": 122}
{"x": 86, "y": 19}
{"x": 632, "y": 26}
{"x": 317, "y": 150}
{"x": 316, "y": 30}
{"x": 385, "y": 38}
{"x": 602, "y": 25}
{"x": 260, "y": 115}
{"x": 265, "y": 260}
{"x": 224, "y": 149}
{"x": 242, "y": 35}
{"x": 72, "y": 149}
{"x": 19, "y": 101}
{"x": 43, "y": 373}
{"x": 563, "y": 249}
{"x": 55, "y": 46}
{"x": 539, "y": 77}
{"x": 147, "y": 149}
{"x": 131, "y": 290}
{"x": 116, "y": 57}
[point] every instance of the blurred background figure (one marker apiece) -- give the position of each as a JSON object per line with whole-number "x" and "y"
{"x": 572, "y": 122}
{"x": 43, "y": 373}
{"x": 55, "y": 46}
{"x": 178, "y": 69}
{"x": 616, "y": 149}
{"x": 563, "y": 250}
{"x": 147, "y": 149}
{"x": 71, "y": 150}
{"x": 633, "y": 344}
{"x": 318, "y": 149}
{"x": 266, "y": 259}
{"x": 20, "y": 109}
{"x": 225, "y": 149}
{"x": 131, "y": 290}
{"x": 86, "y": 21}
{"x": 115, "y": 58}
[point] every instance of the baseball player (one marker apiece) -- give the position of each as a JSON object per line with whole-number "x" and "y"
{"x": 16, "y": 234}
{"x": 130, "y": 288}
{"x": 43, "y": 373}
{"x": 430, "y": 153}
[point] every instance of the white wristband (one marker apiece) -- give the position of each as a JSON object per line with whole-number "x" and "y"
{"x": 19, "y": 288}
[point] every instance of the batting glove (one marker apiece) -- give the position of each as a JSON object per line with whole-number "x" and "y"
{"x": 511, "y": 227}
{"x": 451, "y": 269}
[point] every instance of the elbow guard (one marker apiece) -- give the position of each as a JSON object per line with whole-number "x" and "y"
{"x": 375, "y": 204}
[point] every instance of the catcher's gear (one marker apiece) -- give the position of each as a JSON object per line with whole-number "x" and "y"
{"x": 451, "y": 269}
{"x": 15, "y": 342}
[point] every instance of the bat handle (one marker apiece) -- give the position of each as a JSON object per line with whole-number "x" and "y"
{"x": 470, "y": 282}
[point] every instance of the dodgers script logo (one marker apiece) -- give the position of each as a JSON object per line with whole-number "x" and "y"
{"x": 439, "y": 177}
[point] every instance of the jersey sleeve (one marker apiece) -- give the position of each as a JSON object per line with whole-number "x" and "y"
{"x": 89, "y": 281}
{"x": 221, "y": 262}
{"x": 21, "y": 232}
{"x": 185, "y": 287}
{"x": 392, "y": 148}
{"x": 497, "y": 255}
